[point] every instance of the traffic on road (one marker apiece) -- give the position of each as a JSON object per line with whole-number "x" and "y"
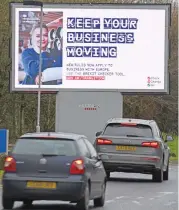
{"x": 66, "y": 167}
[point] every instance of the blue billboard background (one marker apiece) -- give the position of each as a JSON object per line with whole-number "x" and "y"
{"x": 4, "y": 140}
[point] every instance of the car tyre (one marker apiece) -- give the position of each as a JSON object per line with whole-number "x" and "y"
{"x": 83, "y": 204}
{"x": 166, "y": 173}
{"x": 108, "y": 174}
{"x": 27, "y": 202}
{"x": 157, "y": 176}
{"x": 7, "y": 203}
{"x": 99, "y": 202}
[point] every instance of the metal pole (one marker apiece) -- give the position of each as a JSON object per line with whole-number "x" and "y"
{"x": 40, "y": 72}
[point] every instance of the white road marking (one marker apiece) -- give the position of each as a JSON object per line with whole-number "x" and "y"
{"x": 166, "y": 193}
{"x": 161, "y": 194}
{"x": 109, "y": 201}
{"x": 120, "y": 197}
{"x": 140, "y": 197}
{"x": 137, "y": 202}
{"x": 170, "y": 203}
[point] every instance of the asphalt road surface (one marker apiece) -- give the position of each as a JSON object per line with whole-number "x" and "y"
{"x": 127, "y": 192}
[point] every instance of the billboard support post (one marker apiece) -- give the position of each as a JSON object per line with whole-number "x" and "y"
{"x": 37, "y": 3}
{"x": 40, "y": 71}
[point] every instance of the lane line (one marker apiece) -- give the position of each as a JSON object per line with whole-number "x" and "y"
{"x": 109, "y": 201}
{"x": 170, "y": 203}
{"x": 140, "y": 197}
{"x": 120, "y": 197}
{"x": 137, "y": 202}
{"x": 166, "y": 193}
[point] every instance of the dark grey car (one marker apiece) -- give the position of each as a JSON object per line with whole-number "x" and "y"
{"x": 134, "y": 145}
{"x": 53, "y": 166}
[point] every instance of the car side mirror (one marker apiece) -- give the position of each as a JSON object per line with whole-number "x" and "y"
{"x": 169, "y": 138}
{"x": 9, "y": 153}
{"x": 98, "y": 158}
{"x": 98, "y": 133}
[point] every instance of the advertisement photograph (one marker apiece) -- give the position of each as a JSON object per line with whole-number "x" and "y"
{"x": 29, "y": 48}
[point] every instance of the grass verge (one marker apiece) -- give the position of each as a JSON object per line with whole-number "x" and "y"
{"x": 1, "y": 174}
{"x": 174, "y": 148}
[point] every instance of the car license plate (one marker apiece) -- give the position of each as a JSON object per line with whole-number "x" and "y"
{"x": 41, "y": 185}
{"x": 125, "y": 148}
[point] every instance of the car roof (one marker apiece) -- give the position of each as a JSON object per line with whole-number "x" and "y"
{"x": 130, "y": 120}
{"x": 54, "y": 134}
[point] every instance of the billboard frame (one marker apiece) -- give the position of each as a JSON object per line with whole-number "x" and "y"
{"x": 167, "y": 7}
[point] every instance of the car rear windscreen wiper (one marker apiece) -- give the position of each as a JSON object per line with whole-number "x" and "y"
{"x": 51, "y": 155}
{"x": 134, "y": 136}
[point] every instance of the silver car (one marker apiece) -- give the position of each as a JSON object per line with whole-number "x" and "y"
{"x": 134, "y": 145}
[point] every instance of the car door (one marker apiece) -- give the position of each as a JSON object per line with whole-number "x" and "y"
{"x": 165, "y": 146}
{"x": 88, "y": 163}
{"x": 98, "y": 169}
{"x": 166, "y": 151}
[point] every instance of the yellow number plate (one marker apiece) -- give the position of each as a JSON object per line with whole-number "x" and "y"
{"x": 41, "y": 185}
{"x": 125, "y": 148}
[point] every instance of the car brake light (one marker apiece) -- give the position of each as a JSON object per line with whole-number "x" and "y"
{"x": 77, "y": 167}
{"x": 153, "y": 144}
{"x": 128, "y": 124}
{"x": 10, "y": 164}
{"x": 103, "y": 141}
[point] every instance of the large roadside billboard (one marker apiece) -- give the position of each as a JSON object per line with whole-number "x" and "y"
{"x": 91, "y": 47}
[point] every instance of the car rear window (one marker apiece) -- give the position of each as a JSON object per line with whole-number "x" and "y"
{"x": 45, "y": 146}
{"x": 116, "y": 129}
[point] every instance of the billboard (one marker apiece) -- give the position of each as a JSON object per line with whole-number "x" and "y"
{"x": 91, "y": 47}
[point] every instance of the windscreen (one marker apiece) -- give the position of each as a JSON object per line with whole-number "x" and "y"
{"x": 116, "y": 129}
{"x": 45, "y": 146}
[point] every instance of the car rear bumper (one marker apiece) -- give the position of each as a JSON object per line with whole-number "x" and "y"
{"x": 67, "y": 190}
{"x": 129, "y": 167}
{"x": 142, "y": 164}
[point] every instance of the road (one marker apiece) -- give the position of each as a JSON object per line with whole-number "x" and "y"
{"x": 128, "y": 192}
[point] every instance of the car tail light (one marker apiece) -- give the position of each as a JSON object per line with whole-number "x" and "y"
{"x": 153, "y": 144}
{"x": 77, "y": 167}
{"x": 150, "y": 158}
{"x": 103, "y": 141}
{"x": 10, "y": 164}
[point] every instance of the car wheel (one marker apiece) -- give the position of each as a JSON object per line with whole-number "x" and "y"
{"x": 99, "y": 202}
{"x": 83, "y": 204}
{"x": 157, "y": 176}
{"x": 108, "y": 174}
{"x": 166, "y": 173}
{"x": 7, "y": 203}
{"x": 27, "y": 202}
